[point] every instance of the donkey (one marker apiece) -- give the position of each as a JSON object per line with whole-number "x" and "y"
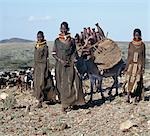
{"x": 89, "y": 67}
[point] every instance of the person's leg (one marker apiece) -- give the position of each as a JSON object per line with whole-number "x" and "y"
{"x": 129, "y": 97}
{"x": 39, "y": 85}
{"x": 140, "y": 90}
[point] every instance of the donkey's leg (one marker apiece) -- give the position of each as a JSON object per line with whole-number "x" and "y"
{"x": 100, "y": 87}
{"x": 110, "y": 91}
{"x": 92, "y": 82}
{"x": 141, "y": 97}
{"x": 115, "y": 84}
{"x": 91, "y": 92}
{"x": 128, "y": 97}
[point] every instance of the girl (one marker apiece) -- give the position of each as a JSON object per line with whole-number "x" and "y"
{"x": 43, "y": 83}
{"x": 135, "y": 67}
{"x": 68, "y": 82}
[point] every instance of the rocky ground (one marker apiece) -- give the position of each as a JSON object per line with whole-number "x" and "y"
{"x": 18, "y": 116}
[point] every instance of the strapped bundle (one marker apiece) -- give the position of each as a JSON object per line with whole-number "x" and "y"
{"x": 106, "y": 53}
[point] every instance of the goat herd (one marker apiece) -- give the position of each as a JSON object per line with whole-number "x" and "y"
{"x": 23, "y": 79}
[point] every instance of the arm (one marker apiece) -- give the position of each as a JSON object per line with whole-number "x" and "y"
{"x": 34, "y": 54}
{"x": 144, "y": 56}
{"x": 44, "y": 53}
{"x": 34, "y": 57}
{"x": 47, "y": 52}
{"x": 76, "y": 52}
{"x": 54, "y": 53}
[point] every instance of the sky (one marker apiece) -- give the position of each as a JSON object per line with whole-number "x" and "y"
{"x": 24, "y": 18}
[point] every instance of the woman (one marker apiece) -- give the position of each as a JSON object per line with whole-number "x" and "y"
{"x": 43, "y": 82}
{"x": 68, "y": 82}
{"x": 135, "y": 67}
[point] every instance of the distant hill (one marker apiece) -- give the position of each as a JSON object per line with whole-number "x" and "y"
{"x": 15, "y": 40}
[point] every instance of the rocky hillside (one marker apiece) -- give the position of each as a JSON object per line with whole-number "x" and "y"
{"x": 18, "y": 115}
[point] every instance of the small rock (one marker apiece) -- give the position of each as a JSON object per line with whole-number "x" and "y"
{"x": 86, "y": 97}
{"x": 27, "y": 109}
{"x": 126, "y": 125}
{"x": 132, "y": 116}
{"x": 59, "y": 127}
{"x": 147, "y": 84}
{"x": 1, "y": 117}
{"x": 3, "y": 96}
{"x": 107, "y": 102}
{"x": 54, "y": 114}
{"x": 36, "y": 101}
{"x": 8, "y": 118}
{"x": 63, "y": 126}
{"x": 31, "y": 113}
{"x": 148, "y": 124}
{"x": 88, "y": 112}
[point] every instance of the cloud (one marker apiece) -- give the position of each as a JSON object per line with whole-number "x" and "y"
{"x": 39, "y": 18}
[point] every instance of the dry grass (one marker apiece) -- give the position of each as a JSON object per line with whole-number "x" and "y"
{"x": 17, "y": 55}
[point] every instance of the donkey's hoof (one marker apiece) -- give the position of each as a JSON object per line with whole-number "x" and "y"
{"x": 116, "y": 94}
{"x": 90, "y": 101}
{"x": 103, "y": 98}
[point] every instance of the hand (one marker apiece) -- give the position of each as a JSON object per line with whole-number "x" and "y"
{"x": 65, "y": 63}
{"x": 59, "y": 60}
{"x": 62, "y": 61}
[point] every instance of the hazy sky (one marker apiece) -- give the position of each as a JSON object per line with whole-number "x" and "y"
{"x": 23, "y": 18}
